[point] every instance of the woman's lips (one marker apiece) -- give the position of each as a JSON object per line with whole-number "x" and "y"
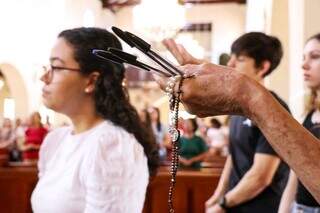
{"x": 45, "y": 92}
{"x": 306, "y": 77}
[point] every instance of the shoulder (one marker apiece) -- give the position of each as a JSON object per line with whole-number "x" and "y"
{"x": 58, "y": 132}
{"x": 308, "y": 116}
{"x": 43, "y": 129}
{"x": 113, "y": 152}
{"x": 235, "y": 119}
{"x": 112, "y": 142}
{"x": 281, "y": 101}
{"x": 198, "y": 138}
{"x": 50, "y": 146}
{"x": 54, "y": 136}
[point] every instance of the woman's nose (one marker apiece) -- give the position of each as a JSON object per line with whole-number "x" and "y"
{"x": 305, "y": 65}
{"x": 231, "y": 62}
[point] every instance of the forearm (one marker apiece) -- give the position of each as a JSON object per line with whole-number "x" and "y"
{"x": 289, "y": 139}
{"x": 200, "y": 157}
{"x": 224, "y": 179}
{"x": 4, "y": 144}
{"x": 250, "y": 186}
{"x": 289, "y": 193}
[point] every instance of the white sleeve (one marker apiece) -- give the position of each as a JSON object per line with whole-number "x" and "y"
{"x": 116, "y": 176}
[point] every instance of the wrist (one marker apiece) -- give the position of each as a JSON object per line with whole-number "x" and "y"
{"x": 247, "y": 94}
{"x": 223, "y": 203}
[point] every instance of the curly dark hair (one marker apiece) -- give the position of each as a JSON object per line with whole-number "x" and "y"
{"x": 260, "y": 47}
{"x": 111, "y": 98}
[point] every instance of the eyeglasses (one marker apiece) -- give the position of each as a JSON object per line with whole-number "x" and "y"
{"x": 49, "y": 70}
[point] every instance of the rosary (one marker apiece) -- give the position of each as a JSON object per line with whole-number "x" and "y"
{"x": 175, "y": 78}
{"x": 174, "y": 100}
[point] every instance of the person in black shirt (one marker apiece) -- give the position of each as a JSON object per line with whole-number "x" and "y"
{"x": 254, "y": 177}
{"x": 295, "y": 190}
{"x": 210, "y": 90}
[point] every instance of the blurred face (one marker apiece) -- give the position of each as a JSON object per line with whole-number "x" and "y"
{"x": 244, "y": 64}
{"x": 188, "y": 126}
{"x": 311, "y": 64}
{"x": 7, "y": 123}
{"x": 18, "y": 122}
{"x": 63, "y": 89}
{"x": 154, "y": 115}
{"x": 143, "y": 116}
{"x": 36, "y": 118}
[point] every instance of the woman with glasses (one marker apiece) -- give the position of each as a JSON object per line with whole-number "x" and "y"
{"x": 296, "y": 198}
{"x": 102, "y": 162}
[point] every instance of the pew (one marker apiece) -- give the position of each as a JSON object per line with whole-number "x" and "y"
{"x": 16, "y": 186}
{"x": 193, "y": 188}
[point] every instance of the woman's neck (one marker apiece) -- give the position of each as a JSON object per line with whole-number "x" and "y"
{"x": 36, "y": 125}
{"x": 188, "y": 134}
{"x": 85, "y": 118}
{"x": 318, "y": 94}
{"x": 84, "y": 123}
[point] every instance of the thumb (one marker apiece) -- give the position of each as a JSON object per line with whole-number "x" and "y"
{"x": 160, "y": 80}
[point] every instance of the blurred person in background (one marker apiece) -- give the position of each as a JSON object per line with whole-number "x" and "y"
{"x": 217, "y": 139}
{"x": 192, "y": 148}
{"x": 34, "y": 135}
{"x": 160, "y": 132}
{"x": 19, "y": 133}
{"x": 6, "y": 134}
{"x": 145, "y": 118}
{"x": 296, "y": 198}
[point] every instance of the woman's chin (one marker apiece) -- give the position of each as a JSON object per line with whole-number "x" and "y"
{"x": 313, "y": 86}
{"x": 47, "y": 104}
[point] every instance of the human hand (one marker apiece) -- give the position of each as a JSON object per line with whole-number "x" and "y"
{"x": 212, "y": 201}
{"x": 215, "y": 209}
{"x": 185, "y": 161}
{"x": 180, "y": 53}
{"x": 212, "y": 90}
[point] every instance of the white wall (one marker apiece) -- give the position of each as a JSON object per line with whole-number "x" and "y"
{"x": 228, "y": 21}
{"x": 28, "y": 30}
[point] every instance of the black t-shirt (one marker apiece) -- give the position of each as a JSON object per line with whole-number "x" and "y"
{"x": 245, "y": 141}
{"x": 303, "y": 196}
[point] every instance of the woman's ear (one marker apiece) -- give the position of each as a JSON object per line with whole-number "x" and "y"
{"x": 264, "y": 68}
{"x": 91, "y": 82}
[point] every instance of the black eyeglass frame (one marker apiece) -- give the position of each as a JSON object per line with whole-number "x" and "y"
{"x": 51, "y": 68}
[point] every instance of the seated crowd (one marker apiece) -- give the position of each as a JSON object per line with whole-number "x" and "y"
{"x": 22, "y": 141}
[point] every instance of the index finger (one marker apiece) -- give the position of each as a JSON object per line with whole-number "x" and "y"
{"x": 172, "y": 46}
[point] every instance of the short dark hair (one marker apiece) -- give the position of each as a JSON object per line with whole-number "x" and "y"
{"x": 194, "y": 124}
{"x": 215, "y": 123}
{"x": 260, "y": 47}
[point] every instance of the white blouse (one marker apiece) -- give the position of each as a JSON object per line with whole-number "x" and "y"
{"x": 101, "y": 170}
